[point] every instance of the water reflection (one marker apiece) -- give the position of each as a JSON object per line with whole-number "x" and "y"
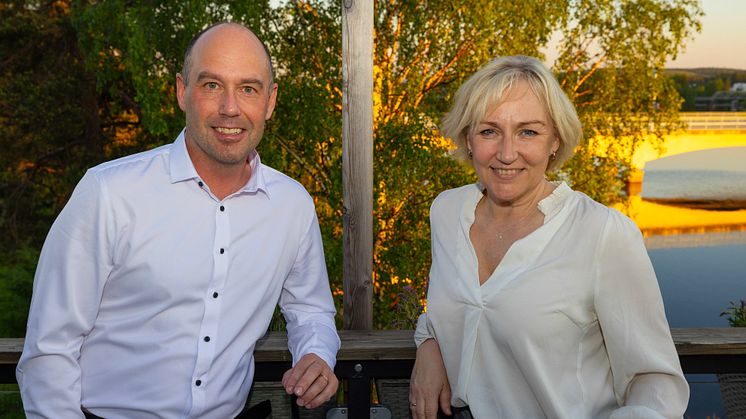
{"x": 669, "y": 226}
{"x": 699, "y": 258}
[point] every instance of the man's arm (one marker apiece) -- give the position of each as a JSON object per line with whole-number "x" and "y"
{"x": 307, "y": 305}
{"x": 68, "y": 285}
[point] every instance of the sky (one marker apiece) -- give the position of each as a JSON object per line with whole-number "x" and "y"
{"x": 722, "y": 41}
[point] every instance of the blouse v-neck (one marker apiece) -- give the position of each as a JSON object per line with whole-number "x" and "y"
{"x": 521, "y": 252}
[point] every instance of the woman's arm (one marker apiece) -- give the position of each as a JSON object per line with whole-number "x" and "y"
{"x": 648, "y": 381}
{"x": 428, "y": 386}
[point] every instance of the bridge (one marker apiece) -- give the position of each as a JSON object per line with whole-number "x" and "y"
{"x": 706, "y": 130}
{"x": 666, "y": 226}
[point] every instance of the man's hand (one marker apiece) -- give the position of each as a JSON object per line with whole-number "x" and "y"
{"x": 428, "y": 387}
{"x": 311, "y": 380}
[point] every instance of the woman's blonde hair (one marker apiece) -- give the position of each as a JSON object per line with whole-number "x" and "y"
{"x": 484, "y": 91}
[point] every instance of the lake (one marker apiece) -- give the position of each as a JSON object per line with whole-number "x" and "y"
{"x": 699, "y": 256}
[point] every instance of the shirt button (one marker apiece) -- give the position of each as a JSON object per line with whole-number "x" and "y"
{"x": 222, "y": 208}
{"x": 222, "y": 250}
{"x": 198, "y": 383}
{"x": 200, "y": 184}
{"x": 214, "y": 295}
{"x": 207, "y": 339}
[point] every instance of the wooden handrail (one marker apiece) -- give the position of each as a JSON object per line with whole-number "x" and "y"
{"x": 376, "y": 345}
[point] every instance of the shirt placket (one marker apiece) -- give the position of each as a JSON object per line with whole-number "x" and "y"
{"x": 212, "y": 302}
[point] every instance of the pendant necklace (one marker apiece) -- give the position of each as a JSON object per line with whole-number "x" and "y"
{"x": 500, "y": 234}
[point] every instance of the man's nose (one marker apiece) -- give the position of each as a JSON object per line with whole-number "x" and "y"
{"x": 228, "y": 103}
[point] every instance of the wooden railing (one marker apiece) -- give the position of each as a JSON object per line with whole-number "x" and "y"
{"x": 390, "y": 354}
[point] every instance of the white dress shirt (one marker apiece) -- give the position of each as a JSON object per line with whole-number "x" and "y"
{"x": 569, "y": 325}
{"x": 150, "y": 293}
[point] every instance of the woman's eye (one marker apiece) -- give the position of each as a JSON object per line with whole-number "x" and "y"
{"x": 487, "y": 132}
{"x": 529, "y": 133}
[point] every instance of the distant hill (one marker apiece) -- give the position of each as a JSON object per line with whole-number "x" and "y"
{"x": 705, "y": 73}
{"x": 703, "y": 87}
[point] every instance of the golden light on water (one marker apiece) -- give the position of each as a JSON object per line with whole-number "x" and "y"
{"x": 658, "y": 219}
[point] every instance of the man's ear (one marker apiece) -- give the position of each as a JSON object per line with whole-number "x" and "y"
{"x": 272, "y": 101}
{"x": 180, "y": 91}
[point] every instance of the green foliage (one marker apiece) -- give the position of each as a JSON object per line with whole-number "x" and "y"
{"x": 611, "y": 64}
{"x": 49, "y": 125}
{"x": 703, "y": 82}
{"x": 116, "y": 96}
{"x": 11, "y": 406}
{"x": 736, "y": 314}
{"x": 16, "y": 278}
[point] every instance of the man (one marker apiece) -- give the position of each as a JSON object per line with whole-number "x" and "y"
{"x": 164, "y": 268}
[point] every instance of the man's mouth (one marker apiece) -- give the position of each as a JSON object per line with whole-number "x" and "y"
{"x": 228, "y": 131}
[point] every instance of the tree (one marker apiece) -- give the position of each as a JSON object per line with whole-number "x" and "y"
{"x": 611, "y": 64}
{"x": 611, "y": 61}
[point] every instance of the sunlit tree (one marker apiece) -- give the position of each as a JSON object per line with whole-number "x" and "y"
{"x": 121, "y": 58}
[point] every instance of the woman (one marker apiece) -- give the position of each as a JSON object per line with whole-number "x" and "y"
{"x": 542, "y": 302}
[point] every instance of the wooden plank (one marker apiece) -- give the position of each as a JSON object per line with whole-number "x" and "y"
{"x": 371, "y": 345}
{"x": 710, "y": 341}
{"x": 10, "y": 350}
{"x": 357, "y": 162}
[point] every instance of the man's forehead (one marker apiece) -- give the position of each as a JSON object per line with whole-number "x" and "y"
{"x": 229, "y": 42}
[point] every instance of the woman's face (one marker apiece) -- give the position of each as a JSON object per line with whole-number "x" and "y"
{"x": 511, "y": 146}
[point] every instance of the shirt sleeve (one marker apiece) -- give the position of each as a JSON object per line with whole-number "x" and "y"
{"x": 647, "y": 377}
{"x": 306, "y": 302}
{"x": 73, "y": 266}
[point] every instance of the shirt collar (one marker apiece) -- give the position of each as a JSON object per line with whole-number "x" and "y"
{"x": 182, "y": 168}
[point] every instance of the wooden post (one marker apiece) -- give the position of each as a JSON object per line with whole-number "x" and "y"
{"x": 357, "y": 161}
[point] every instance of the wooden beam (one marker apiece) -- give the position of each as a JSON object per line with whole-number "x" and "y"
{"x": 357, "y": 162}
{"x": 381, "y": 345}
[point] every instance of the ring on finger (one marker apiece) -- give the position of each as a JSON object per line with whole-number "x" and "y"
{"x": 413, "y": 404}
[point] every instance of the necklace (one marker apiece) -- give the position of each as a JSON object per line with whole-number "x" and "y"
{"x": 520, "y": 222}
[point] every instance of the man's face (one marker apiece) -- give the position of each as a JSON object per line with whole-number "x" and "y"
{"x": 228, "y": 97}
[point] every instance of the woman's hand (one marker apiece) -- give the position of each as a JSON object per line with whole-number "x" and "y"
{"x": 428, "y": 387}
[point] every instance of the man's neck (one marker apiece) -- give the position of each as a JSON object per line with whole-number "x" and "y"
{"x": 224, "y": 180}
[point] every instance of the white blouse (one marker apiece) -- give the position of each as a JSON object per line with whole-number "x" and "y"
{"x": 569, "y": 325}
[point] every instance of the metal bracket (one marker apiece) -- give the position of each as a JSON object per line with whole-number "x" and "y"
{"x": 376, "y": 412}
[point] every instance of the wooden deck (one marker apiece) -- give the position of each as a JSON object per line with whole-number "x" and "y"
{"x": 390, "y": 354}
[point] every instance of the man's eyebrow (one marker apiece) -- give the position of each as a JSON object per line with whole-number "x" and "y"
{"x": 208, "y": 75}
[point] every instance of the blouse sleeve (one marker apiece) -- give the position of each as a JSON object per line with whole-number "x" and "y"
{"x": 647, "y": 377}
{"x": 423, "y": 331}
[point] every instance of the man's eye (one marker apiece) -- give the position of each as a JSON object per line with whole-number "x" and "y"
{"x": 249, "y": 90}
{"x": 211, "y": 85}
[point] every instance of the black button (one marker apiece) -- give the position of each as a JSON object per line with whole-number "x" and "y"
{"x": 222, "y": 250}
{"x": 214, "y": 295}
{"x": 222, "y": 208}
{"x": 200, "y": 184}
{"x": 207, "y": 339}
{"x": 198, "y": 383}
